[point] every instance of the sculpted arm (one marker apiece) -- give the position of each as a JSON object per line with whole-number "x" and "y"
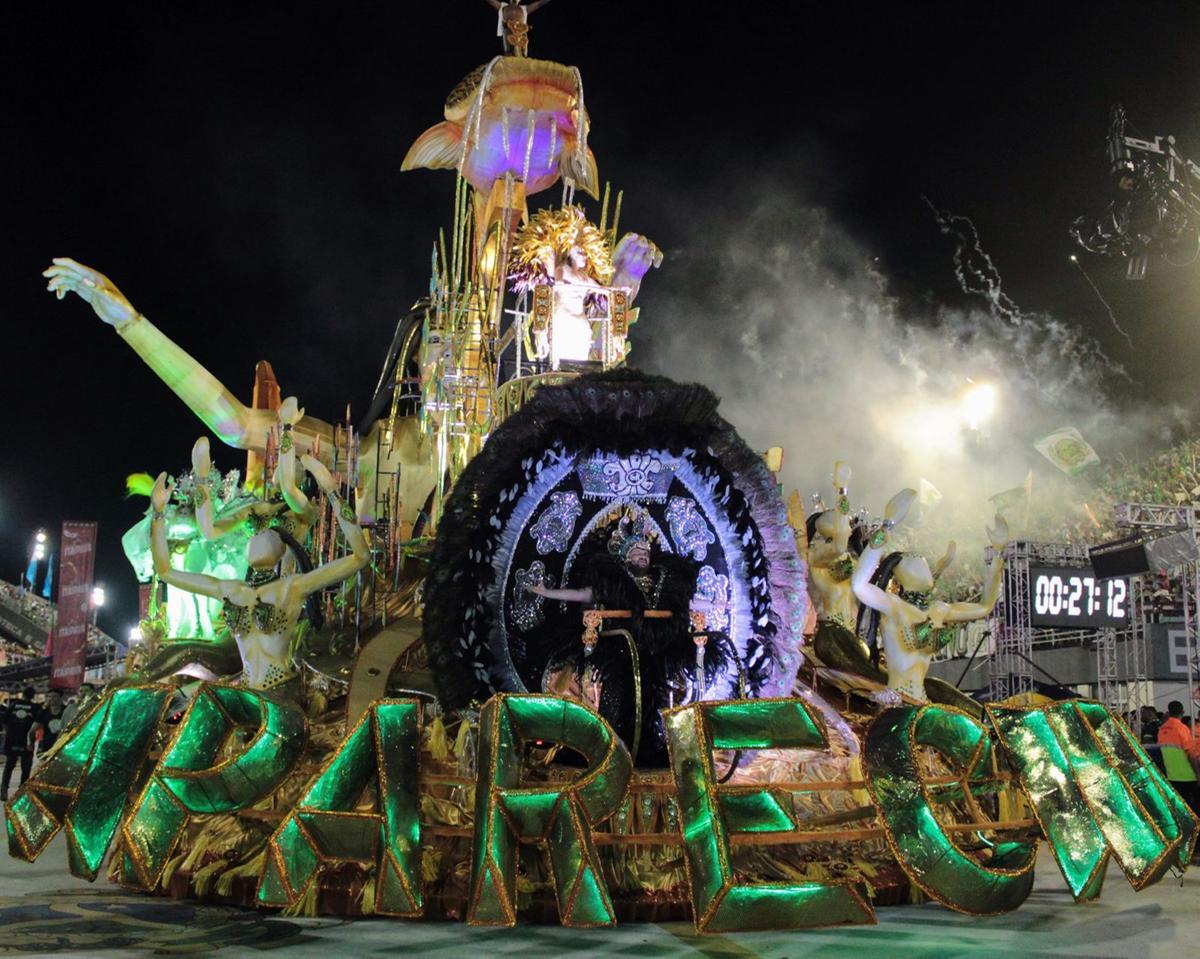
{"x": 206, "y": 522}
{"x": 944, "y": 563}
{"x": 234, "y": 423}
{"x": 968, "y": 612}
{"x": 360, "y": 554}
{"x": 201, "y": 463}
{"x": 208, "y": 526}
{"x": 231, "y": 420}
{"x": 285, "y": 471}
{"x": 841, "y": 483}
{"x": 867, "y": 592}
{"x": 633, "y": 258}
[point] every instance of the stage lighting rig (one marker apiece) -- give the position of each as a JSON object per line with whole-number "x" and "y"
{"x": 1156, "y": 206}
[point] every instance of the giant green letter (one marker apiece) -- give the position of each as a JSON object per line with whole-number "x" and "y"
{"x": 1095, "y": 792}
{"x": 325, "y": 829}
{"x": 85, "y": 783}
{"x": 710, "y": 812}
{"x": 561, "y": 814}
{"x": 187, "y": 782}
{"x": 930, "y": 857}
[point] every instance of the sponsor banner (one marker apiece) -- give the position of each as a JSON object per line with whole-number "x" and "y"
{"x": 77, "y": 559}
{"x": 145, "y": 596}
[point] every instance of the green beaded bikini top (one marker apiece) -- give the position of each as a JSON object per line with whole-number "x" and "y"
{"x": 263, "y": 616}
{"x": 927, "y": 638}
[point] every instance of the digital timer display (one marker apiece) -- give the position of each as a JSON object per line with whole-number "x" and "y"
{"x": 1075, "y": 598}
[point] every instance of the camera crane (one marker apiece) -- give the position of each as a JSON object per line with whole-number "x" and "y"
{"x": 1156, "y": 209}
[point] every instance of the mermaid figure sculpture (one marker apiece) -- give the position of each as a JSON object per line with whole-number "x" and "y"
{"x": 263, "y": 611}
{"x": 912, "y": 625}
{"x": 834, "y": 543}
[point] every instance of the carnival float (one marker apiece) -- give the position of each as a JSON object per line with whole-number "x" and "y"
{"x": 540, "y": 638}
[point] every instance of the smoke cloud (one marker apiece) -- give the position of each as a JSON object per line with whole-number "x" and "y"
{"x": 784, "y": 314}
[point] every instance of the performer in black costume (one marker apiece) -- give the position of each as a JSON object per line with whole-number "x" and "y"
{"x": 631, "y": 576}
{"x": 477, "y": 649}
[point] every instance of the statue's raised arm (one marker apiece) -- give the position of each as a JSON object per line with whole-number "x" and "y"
{"x": 943, "y": 612}
{"x": 359, "y": 556}
{"x": 290, "y": 416}
{"x": 231, "y": 420}
{"x": 867, "y": 592}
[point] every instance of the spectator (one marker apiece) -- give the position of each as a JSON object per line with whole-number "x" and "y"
{"x": 18, "y": 723}
{"x": 1181, "y": 754}
{"x": 77, "y": 704}
{"x": 49, "y": 722}
{"x": 1150, "y": 725}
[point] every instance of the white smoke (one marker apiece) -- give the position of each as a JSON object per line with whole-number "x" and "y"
{"x": 785, "y": 316}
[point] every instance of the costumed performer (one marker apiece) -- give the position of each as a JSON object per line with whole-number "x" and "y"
{"x": 562, "y": 249}
{"x": 659, "y": 589}
{"x": 513, "y": 25}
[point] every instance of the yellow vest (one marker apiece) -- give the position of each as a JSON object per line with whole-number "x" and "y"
{"x": 1178, "y": 764}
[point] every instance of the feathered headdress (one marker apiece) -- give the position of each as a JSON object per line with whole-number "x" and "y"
{"x": 548, "y": 238}
{"x": 139, "y": 484}
{"x": 630, "y": 534}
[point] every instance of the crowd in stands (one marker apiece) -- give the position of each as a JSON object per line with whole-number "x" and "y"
{"x": 1080, "y": 511}
{"x": 37, "y": 610}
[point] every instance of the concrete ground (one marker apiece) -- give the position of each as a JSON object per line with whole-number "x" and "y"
{"x": 46, "y": 912}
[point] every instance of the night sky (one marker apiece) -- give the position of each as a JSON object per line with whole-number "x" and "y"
{"x": 235, "y": 170}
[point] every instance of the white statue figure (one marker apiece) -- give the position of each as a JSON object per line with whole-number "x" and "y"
{"x": 912, "y": 625}
{"x": 830, "y": 561}
{"x": 262, "y": 612}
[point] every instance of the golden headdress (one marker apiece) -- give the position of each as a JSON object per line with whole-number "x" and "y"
{"x": 548, "y": 238}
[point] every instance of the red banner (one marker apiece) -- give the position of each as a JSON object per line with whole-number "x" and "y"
{"x": 76, "y": 562}
{"x": 145, "y": 596}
